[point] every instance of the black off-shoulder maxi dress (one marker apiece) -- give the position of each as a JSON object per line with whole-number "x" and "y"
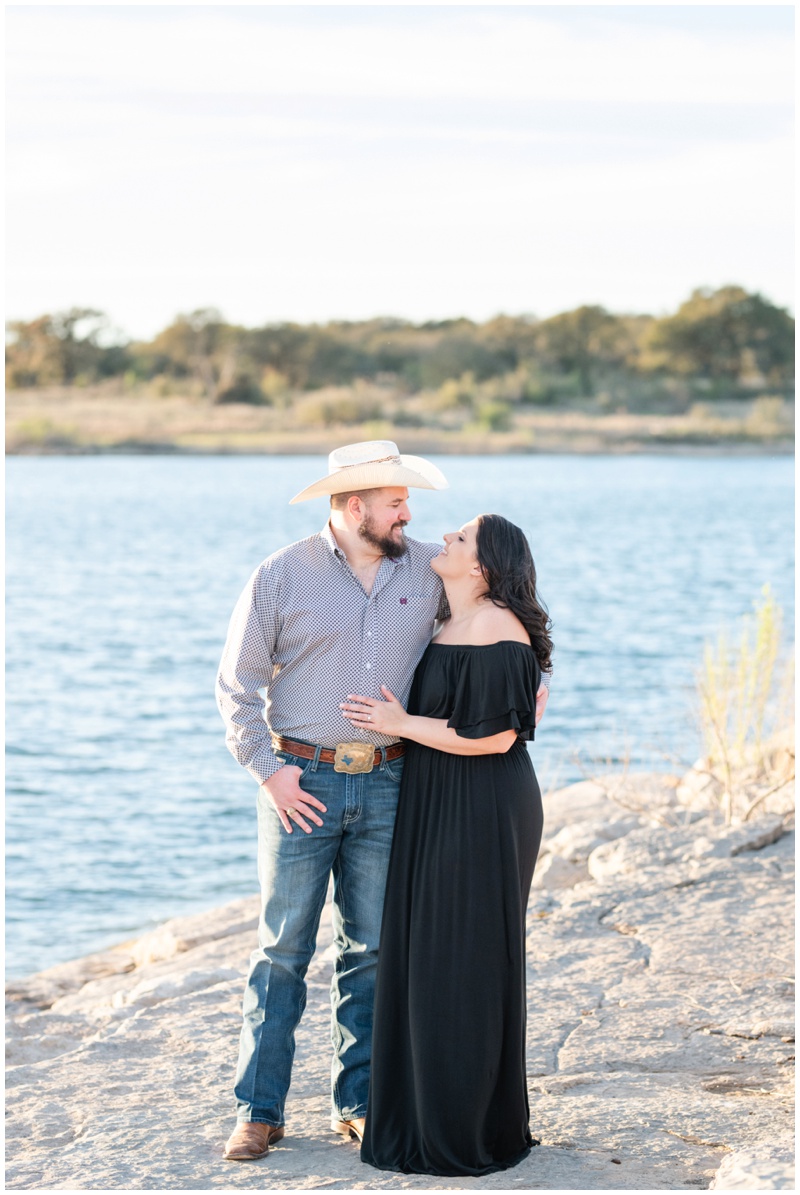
{"x": 448, "y": 1092}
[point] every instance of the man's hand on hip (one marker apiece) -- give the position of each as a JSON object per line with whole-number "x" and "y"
{"x": 290, "y": 801}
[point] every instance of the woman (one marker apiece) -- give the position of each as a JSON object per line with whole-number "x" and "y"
{"x": 448, "y": 1093}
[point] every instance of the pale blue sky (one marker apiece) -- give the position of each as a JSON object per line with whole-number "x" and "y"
{"x": 311, "y": 163}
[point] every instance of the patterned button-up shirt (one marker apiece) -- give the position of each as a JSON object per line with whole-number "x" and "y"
{"x": 305, "y": 631}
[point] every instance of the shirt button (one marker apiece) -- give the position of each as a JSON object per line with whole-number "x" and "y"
{"x": 370, "y": 634}
{"x": 367, "y": 665}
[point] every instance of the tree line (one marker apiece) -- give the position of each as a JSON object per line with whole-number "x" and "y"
{"x": 728, "y": 339}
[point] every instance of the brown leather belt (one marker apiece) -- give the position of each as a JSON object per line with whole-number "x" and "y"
{"x": 328, "y": 754}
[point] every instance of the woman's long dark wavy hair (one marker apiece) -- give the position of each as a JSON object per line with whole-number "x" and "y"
{"x": 506, "y": 562}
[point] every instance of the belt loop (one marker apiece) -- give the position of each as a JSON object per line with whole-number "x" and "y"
{"x": 383, "y": 757}
{"x": 317, "y": 753}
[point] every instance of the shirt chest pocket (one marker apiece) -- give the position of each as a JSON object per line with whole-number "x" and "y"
{"x": 413, "y": 610}
{"x": 410, "y": 601}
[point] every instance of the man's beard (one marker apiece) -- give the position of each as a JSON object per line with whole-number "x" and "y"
{"x": 384, "y": 543}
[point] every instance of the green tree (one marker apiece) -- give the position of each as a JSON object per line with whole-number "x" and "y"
{"x": 512, "y": 339}
{"x": 62, "y": 348}
{"x": 583, "y": 341}
{"x": 310, "y": 356}
{"x": 202, "y": 346}
{"x": 454, "y": 356}
{"x": 727, "y": 333}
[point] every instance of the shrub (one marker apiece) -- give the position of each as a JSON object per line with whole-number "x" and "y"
{"x": 521, "y": 385}
{"x": 274, "y": 384}
{"x": 494, "y": 417}
{"x": 743, "y": 698}
{"x": 403, "y": 418}
{"x": 44, "y": 433}
{"x": 454, "y": 393}
{"x": 242, "y": 389}
{"x": 320, "y": 410}
{"x": 766, "y": 414}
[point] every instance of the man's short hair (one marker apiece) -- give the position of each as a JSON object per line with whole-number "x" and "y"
{"x": 339, "y": 501}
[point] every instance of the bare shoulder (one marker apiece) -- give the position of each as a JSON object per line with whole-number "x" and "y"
{"x": 492, "y": 624}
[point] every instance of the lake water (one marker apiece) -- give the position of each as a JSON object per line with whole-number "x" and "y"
{"x": 123, "y": 805}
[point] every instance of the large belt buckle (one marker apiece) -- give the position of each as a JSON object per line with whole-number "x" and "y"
{"x": 354, "y": 758}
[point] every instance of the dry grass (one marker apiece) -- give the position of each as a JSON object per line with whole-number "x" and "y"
{"x": 113, "y": 418}
{"x": 746, "y": 708}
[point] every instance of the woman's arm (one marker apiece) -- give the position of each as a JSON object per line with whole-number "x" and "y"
{"x": 434, "y": 732}
{"x": 389, "y": 717}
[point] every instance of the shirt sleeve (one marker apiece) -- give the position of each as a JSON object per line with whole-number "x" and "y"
{"x": 247, "y": 665}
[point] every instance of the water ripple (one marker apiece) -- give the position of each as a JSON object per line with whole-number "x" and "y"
{"x": 123, "y": 805}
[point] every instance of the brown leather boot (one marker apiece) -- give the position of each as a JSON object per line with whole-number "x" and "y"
{"x": 250, "y": 1140}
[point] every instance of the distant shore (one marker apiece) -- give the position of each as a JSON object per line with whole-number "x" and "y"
{"x": 75, "y": 421}
{"x": 315, "y": 447}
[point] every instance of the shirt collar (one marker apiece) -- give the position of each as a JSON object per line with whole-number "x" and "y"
{"x": 330, "y": 539}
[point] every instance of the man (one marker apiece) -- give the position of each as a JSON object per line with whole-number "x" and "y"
{"x": 344, "y": 611}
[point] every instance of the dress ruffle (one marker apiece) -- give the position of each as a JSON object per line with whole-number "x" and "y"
{"x": 505, "y": 674}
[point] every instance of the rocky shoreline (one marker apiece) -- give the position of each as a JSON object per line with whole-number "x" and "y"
{"x": 660, "y": 1025}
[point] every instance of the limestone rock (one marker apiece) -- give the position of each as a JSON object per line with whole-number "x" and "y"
{"x": 184, "y": 933}
{"x": 780, "y": 755}
{"x": 643, "y": 848}
{"x": 93, "y": 980}
{"x": 769, "y": 1027}
{"x": 638, "y": 794}
{"x": 45, "y": 987}
{"x": 575, "y": 843}
{"x": 577, "y": 803}
{"x": 644, "y": 792}
{"x": 764, "y": 1168}
{"x": 660, "y": 1007}
{"x": 554, "y": 872}
{"x": 754, "y": 835}
{"x": 699, "y": 788}
{"x": 154, "y": 991}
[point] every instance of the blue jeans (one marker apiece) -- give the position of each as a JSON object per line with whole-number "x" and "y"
{"x": 354, "y": 843}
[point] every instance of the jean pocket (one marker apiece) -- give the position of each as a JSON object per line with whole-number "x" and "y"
{"x": 296, "y": 761}
{"x": 393, "y": 768}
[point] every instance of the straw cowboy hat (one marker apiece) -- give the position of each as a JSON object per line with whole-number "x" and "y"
{"x": 369, "y": 466}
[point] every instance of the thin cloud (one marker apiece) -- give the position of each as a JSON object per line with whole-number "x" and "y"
{"x": 295, "y": 164}
{"x": 465, "y": 55}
